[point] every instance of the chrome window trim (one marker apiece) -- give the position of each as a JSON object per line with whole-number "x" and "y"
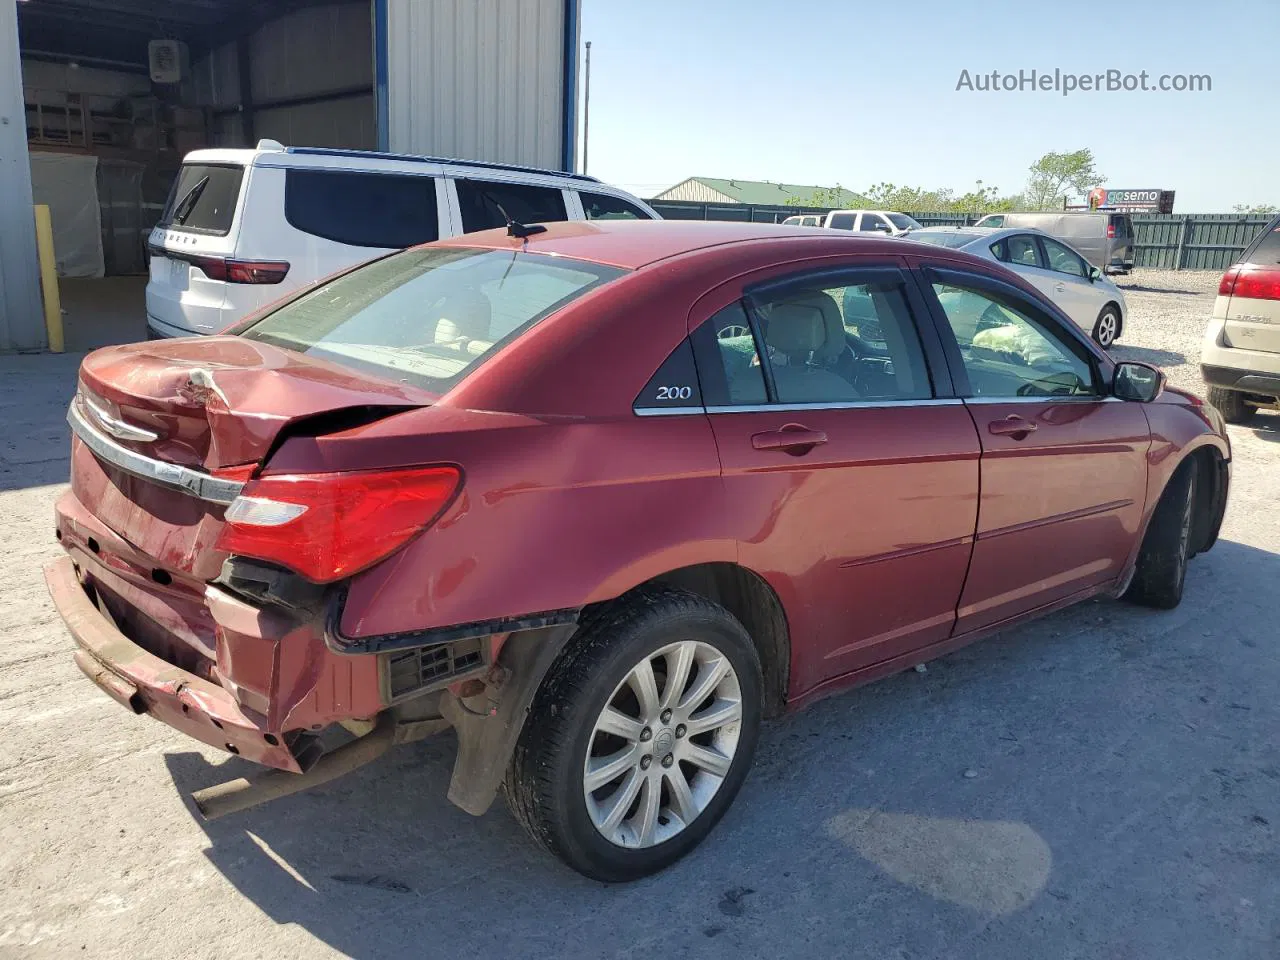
{"x": 861, "y": 405}
{"x": 667, "y": 411}
{"x": 188, "y": 481}
{"x": 836, "y": 405}
{"x": 1091, "y": 398}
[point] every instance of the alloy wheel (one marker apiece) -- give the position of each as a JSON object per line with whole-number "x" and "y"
{"x": 663, "y": 744}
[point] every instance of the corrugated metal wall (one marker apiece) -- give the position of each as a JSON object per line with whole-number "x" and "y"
{"x": 479, "y": 79}
{"x": 21, "y": 317}
{"x": 325, "y": 53}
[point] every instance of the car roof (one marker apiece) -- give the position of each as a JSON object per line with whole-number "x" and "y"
{"x": 632, "y": 244}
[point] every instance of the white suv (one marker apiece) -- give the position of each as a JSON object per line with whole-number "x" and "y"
{"x": 243, "y": 228}
{"x": 1240, "y": 358}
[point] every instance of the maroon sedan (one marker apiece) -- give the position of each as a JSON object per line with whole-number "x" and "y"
{"x": 600, "y": 499}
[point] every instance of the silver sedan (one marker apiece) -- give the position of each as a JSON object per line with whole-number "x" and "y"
{"x": 1058, "y": 271}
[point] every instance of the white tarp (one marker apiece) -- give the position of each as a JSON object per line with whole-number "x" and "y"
{"x": 68, "y": 183}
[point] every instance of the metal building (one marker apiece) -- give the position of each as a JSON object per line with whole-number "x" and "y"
{"x": 133, "y": 85}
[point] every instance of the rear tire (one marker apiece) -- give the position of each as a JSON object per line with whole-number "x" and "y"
{"x": 1162, "y": 561}
{"x": 680, "y": 760}
{"x": 1107, "y": 327}
{"x": 1231, "y": 405}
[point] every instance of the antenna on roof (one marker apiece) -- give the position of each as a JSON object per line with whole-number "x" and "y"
{"x": 514, "y": 229}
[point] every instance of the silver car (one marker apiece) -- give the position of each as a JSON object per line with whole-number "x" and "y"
{"x": 1053, "y": 267}
{"x": 1104, "y": 238}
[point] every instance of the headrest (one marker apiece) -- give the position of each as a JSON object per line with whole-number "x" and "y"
{"x": 808, "y": 323}
{"x": 463, "y": 315}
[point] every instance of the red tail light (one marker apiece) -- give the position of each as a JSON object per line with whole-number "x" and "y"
{"x": 327, "y": 526}
{"x": 1111, "y": 231}
{"x": 242, "y": 271}
{"x": 1256, "y": 283}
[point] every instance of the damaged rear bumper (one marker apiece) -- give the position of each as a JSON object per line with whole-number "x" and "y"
{"x": 144, "y": 683}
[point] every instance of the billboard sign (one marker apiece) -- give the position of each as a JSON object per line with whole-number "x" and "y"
{"x": 1147, "y": 200}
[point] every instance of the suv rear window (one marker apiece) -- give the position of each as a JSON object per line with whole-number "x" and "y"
{"x": 427, "y": 316}
{"x": 480, "y": 200}
{"x": 1122, "y": 225}
{"x": 362, "y": 209}
{"x": 1267, "y": 251}
{"x": 203, "y": 198}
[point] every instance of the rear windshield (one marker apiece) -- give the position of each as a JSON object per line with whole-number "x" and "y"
{"x": 944, "y": 239}
{"x": 203, "y": 198}
{"x": 1121, "y": 226}
{"x": 427, "y": 316}
{"x": 1267, "y": 252}
{"x": 902, "y": 221}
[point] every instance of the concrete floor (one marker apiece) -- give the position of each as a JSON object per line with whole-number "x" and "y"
{"x": 1104, "y": 783}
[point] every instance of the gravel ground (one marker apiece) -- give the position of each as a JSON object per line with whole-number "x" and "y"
{"x": 1103, "y": 783}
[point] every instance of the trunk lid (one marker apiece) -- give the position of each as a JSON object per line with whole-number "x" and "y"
{"x": 166, "y": 430}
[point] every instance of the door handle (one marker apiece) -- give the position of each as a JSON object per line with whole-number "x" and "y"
{"x": 794, "y": 439}
{"x": 1011, "y": 426}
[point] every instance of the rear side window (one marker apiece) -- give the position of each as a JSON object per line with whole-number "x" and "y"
{"x": 842, "y": 221}
{"x": 362, "y": 209}
{"x": 601, "y": 206}
{"x": 1267, "y": 252}
{"x": 203, "y": 198}
{"x": 480, "y": 200}
{"x": 428, "y": 315}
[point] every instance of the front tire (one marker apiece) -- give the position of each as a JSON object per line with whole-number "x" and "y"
{"x": 1107, "y": 327}
{"x": 1231, "y": 405}
{"x": 1162, "y": 561}
{"x": 640, "y": 737}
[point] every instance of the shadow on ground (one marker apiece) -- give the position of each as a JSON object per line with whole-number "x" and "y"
{"x": 1105, "y": 779}
{"x": 1172, "y": 291}
{"x": 1160, "y": 358}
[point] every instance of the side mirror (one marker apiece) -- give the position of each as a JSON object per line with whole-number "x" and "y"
{"x": 1094, "y": 274}
{"x": 1140, "y": 382}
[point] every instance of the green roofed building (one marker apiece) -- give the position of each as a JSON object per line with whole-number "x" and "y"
{"x": 713, "y": 190}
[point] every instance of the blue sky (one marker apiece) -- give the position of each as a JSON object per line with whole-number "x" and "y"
{"x": 855, "y": 92}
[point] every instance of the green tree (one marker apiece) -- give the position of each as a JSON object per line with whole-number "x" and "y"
{"x": 1256, "y": 208}
{"x": 1055, "y": 176}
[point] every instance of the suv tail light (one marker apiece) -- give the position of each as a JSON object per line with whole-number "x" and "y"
{"x": 327, "y": 526}
{"x": 1255, "y": 283}
{"x": 242, "y": 271}
{"x": 1111, "y": 231}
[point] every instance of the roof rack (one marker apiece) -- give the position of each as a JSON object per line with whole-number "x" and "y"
{"x": 415, "y": 158}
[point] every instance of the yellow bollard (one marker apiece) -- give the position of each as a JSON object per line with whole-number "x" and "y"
{"x": 49, "y": 278}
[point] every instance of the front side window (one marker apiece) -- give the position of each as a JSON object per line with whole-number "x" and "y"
{"x": 389, "y": 211}
{"x": 871, "y": 221}
{"x": 601, "y": 206}
{"x": 1012, "y": 352}
{"x": 480, "y": 201}
{"x": 427, "y": 316}
{"x": 1064, "y": 260}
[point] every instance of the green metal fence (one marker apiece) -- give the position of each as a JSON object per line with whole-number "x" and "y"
{"x": 1197, "y": 241}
